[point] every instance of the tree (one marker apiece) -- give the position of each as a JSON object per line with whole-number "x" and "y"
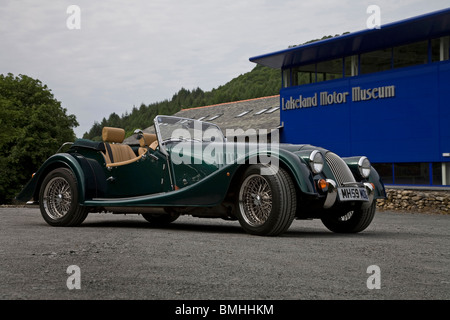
{"x": 33, "y": 125}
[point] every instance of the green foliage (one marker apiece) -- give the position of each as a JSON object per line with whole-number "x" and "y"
{"x": 33, "y": 126}
{"x": 260, "y": 82}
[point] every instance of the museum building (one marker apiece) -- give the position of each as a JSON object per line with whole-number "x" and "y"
{"x": 383, "y": 93}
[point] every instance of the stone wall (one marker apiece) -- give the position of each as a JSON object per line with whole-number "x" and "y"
{"x": 416, "y": 200}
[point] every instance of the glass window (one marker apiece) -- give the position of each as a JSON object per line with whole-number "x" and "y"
{"x": 412, "y": 173}
{"x": 214, "y": 117}
{"x": 435, "y": 50}
{"x": 304, "y": 75}
{"x": 330, "y": 70}
{"x": 243, "y": 113}
{"x": 411, "y": 54}
{"x": 261, "y": 111}
{"x": 351, "y": 66}
{"x": 273, "y": 110}
{"x": 385, "y": 172}
{"x": 440, "y": 49}
{"x": 376, "y": 61}
{"x": 286, "y": 78}
{"x": 437, "y": 174}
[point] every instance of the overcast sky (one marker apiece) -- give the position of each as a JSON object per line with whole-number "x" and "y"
{"x": 142, "y": 51}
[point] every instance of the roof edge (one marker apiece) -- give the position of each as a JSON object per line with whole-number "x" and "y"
{"x": 232, "y": 102}
{"x": 277, "y": 59}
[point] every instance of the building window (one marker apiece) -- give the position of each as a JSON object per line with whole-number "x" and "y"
{"x": 411, "y": 54}
{"x": 437, "y": 173}
{"x": 304, "y": 75}
{"x": 261, "y": 111}
{"x": 376, "y": 61}
{"x": 412, "y": 173}
{"x": 351, "y": 66}
{"x": 440, "y": 49}
{"x": 286, "y": 78}
{"x": 273, "y": 110}
{"x": 214, "y": 117}
{"x": 330, "y": 70}
{"x": 385, "y": 172}
{"x": 416, "y": 53}
{"x": 243, "y": 113}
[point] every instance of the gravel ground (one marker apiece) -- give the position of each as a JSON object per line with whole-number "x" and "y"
{"x": 123, "y": 257}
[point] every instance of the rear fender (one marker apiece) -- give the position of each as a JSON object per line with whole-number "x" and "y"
{"x": 60, "y": 160}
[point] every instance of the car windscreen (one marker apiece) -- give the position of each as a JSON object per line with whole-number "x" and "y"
{"x": 182, "y": 129}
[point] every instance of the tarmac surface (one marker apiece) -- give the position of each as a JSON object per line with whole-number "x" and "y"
{"x": 115, "y": 257}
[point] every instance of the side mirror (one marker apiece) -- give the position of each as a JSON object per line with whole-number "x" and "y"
{"x": 139, "y": 133}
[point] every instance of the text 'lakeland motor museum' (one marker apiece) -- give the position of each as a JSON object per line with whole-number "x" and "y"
{"x": 384, "y": 93}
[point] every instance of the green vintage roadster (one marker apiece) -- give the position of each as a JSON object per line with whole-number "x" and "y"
{"x": 188, "y": 167}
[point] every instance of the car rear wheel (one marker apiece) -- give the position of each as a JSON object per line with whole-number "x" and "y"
{"x": 352, "y": 221}
{"x": 58, "y": 199}
{"x": 266, "y": 203}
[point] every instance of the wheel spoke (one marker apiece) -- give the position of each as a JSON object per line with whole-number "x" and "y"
{"x": 57, "y": 198}
{"x": 346, "y": 217}
{"x": 255, "y": 200}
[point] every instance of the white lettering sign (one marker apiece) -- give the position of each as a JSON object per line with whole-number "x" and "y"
{"x": 326, "y": 98}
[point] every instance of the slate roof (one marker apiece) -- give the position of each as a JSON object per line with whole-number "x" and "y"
{"x": 260, "y": 113}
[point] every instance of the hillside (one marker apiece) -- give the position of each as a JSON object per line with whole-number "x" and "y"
{"x": 259, "y": 82}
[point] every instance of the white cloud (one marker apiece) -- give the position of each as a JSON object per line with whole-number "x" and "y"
{"x": 132, "y": 52}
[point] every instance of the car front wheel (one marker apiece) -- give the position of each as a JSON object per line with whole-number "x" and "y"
{"x": 58, "y": 199}
{"x": 352, "y": 221}
{"x": 266, "y": 203}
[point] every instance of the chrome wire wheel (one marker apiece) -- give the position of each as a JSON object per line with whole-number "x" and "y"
{"x": 346, "y": 216}
{"x": 255, "y": 200}
{"x": 57, "y": 198}
{"x": 266, "y": 203}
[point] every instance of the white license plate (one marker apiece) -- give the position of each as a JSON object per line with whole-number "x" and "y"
{"x": 352, "y": 194}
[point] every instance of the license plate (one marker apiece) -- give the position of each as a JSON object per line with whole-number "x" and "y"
{"x": 352, "y": 194}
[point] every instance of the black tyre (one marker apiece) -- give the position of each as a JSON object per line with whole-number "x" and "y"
{"x": 351, "y": 222}
{"x": 58, "y": 199}
{"x": 266, "y": 203}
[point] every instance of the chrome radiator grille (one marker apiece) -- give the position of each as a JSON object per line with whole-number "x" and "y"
{"x": 339, "y": 168}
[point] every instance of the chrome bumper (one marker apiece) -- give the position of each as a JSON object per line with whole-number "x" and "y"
{"x": 332, "y": 194}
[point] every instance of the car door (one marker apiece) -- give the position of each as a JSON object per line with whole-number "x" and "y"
{"x": 148, "y": 175}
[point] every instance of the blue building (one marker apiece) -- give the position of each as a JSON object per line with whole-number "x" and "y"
{"x": 384, "y": 93}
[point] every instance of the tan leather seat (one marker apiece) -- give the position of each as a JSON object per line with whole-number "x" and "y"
{"x": 146, "y": 141}
{"x": 115, "y": 151}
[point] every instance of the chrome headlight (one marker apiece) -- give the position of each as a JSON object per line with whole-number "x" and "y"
{"x": 316, "y": 161}
{"x": 364, "y": 167}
